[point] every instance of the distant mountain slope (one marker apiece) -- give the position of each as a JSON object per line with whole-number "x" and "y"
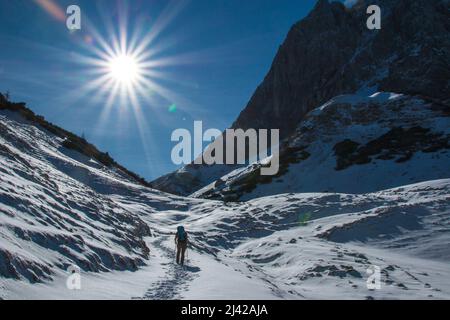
{"x": 353, "y": 144}
{"x": 331, "y": 52}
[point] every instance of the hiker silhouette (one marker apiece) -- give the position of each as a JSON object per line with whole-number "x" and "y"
{"x": 181, "y": 242}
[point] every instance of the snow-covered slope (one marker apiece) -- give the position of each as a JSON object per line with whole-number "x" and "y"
{"x": 353, "y": 144}
{"x": 316, "y": 245}
{"x": 53, "y": 209}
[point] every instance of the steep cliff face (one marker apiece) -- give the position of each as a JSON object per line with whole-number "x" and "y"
{"x": 306, "y": 64}
{"x": 332, "y": 52}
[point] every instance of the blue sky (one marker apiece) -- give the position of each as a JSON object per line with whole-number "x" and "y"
{"x": 208, "y": 57}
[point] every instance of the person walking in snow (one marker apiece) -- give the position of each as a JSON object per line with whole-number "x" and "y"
{"x": 181, "y": 242}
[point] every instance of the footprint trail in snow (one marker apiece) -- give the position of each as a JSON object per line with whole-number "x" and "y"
{"x": 176, "y": 279}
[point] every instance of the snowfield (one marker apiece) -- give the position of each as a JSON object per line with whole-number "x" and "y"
{"x": 59, "y": 208}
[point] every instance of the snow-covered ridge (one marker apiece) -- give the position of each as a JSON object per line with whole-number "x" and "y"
{"x": 353, "y": 144}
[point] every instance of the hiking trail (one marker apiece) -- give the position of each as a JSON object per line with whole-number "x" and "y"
{"x": 176, "y": 278}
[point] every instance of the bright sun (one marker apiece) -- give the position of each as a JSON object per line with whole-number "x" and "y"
{"x": 124, "y": 69}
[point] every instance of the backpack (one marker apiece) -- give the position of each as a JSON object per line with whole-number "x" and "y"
{"x": 182, "y": 235}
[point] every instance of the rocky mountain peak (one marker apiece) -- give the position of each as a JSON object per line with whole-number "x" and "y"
{"x": 331, "y": 52}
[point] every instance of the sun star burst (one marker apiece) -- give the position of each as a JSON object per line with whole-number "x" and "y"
{"x": 124, "y": 69}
